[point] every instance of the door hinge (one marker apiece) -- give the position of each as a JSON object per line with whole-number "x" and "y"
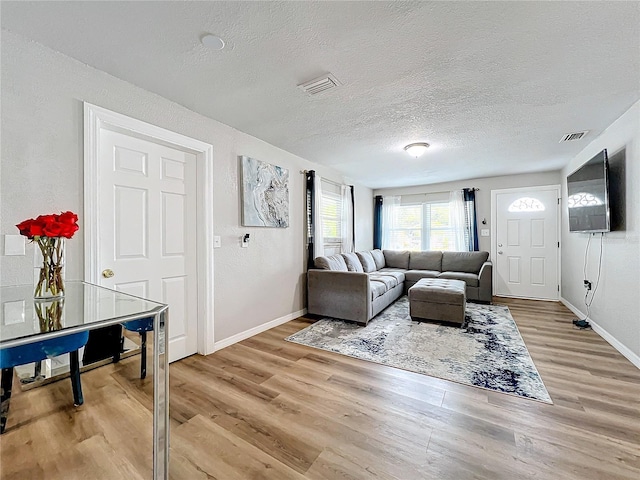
{"x": 558, "y": 201}
{"x": 558, "y": 244}
{"x": 558, "y": 287}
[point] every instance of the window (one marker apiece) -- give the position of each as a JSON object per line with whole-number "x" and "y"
{"x": 331, "y": 213}
{"x": 526, "y": 204}
{"x": 406, "y": 230}
{"x": 426, "y": 226}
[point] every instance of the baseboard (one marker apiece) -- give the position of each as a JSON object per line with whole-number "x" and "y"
{"x": 238, "y": 337}
{"x": 628, "y": 354}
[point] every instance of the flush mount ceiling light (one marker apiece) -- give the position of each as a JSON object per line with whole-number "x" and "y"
{"x": 416, "y": 149}
{"x": 212, "y": 41}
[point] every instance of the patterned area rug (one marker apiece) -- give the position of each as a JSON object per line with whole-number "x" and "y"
{"x": 487, "y": 352}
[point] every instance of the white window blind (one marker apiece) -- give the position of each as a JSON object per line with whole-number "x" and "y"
{"x": 424, "y": 226}
{"x": 406, "y": 232}
{"x": 331, "y": 213}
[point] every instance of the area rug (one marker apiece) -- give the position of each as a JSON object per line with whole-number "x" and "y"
{"x": 487, "y": 352}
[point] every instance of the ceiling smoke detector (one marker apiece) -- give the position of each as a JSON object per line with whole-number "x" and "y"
{"x": 320, "y": 84}
{"x": 212, "y": 41}
{"x": 569, "y": 137}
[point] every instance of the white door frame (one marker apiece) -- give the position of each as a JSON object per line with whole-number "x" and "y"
{"x": 494, "y": 221}
{"x": 97, "y": 119}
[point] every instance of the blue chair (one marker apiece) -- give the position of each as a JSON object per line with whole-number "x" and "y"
{"x": 141, "y": 326}
{"x": 36, "y": 352}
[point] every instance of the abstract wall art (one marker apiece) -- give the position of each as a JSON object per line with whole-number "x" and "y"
{"x": 265, "y": 194}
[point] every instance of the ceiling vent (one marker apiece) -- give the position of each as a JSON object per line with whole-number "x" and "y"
{"x": 320, "y": 84}
{"x": 570, "y": 137}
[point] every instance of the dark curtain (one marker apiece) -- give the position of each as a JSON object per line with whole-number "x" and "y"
{"x": 377, "y": 222}
{"x": 353, "y": 216}
{"x": 311, "y": 214}
{"x": 471, "y": 224}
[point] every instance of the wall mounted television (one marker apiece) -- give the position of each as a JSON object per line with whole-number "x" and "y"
{"x": 588, "y": 196}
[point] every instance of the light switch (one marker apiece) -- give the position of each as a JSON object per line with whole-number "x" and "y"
{"x": 217, "y": 242}
{"x": 14, "y": 244}
{"x": 13, "y": 312}
{"x": 484, "y": 232}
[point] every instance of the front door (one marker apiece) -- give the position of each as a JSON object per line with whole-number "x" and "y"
{"x": 147, "y": 228}
{"x": 525, "y": 243}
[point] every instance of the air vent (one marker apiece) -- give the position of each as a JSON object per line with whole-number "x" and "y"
{"x": 570, "y": 137}
{"x": 320, "y": 84}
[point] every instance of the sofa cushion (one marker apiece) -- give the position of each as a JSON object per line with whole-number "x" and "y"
{"x": 471, "y": 279}
{"x": 429, "y": 260}
{"x": 333, "y": 262}
{"x": 388, "y": 280}
{"x": 353, "y": 262}
{"x": 378, "y": 257}
{"x": 396, "y": 258}
{"x": 468, "y": 262}
{"x": 396, "y": 272}
{"x": 415, "y": 275}
{"x": 377, "y": 289}
{"x": 368, "y": 264}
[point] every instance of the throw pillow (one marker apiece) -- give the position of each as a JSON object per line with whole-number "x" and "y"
{"x": 333, "y": 262}
{"x": 353, "y": 263}
{"x": 368, "y": 264}
{"x": 378, "y": 257}
{"x": 396, "y": 258}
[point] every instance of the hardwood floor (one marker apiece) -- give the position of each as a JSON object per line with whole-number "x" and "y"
{"x": 268, "y": 409}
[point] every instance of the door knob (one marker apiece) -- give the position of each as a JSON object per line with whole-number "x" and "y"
{"x": 108, "y": 273}
{"x": 500, "y": 252}
{"x": 499, "y": 244}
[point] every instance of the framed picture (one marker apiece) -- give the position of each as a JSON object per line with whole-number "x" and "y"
{"x": 265, "y": 194}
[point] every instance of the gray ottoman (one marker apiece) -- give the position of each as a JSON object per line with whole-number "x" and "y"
{"x": 438, "y": 299}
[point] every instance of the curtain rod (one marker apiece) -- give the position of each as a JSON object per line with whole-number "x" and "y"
{"x": 424, "y": 193}
{"x": 324, "y": 179}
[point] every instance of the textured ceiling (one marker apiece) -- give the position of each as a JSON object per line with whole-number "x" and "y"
{"x": 491, "y": 85}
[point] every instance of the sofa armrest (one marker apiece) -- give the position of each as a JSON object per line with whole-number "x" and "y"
{"x": 345, "y": 295}
{"x": 485, "y": 282}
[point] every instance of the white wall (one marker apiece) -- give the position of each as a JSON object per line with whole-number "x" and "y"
{"x": 483, "y": 196}
{"x": 615, "y": 311}
{"x": 42, "y": 172}
{"x": 363, "y": 199}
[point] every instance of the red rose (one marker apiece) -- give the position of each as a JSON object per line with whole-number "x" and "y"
{"x": 52, "y": 229}
{"x": 68, "y": 222}
{"x": 30, "y": 228}
{"x": 46, "y": 219}
{"x": 63, "y": 225}
{"x": 68, "y": 218}
{"x": 67, "y": 230}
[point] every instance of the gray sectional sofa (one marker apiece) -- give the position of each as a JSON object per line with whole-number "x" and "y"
{"x": 358, "y": 286}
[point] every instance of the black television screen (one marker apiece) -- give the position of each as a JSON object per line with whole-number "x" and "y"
{"x": 588, "y": 196}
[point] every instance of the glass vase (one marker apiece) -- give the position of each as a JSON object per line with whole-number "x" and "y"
{"x": 48, "y": 268}
{"x": 50, "y": 314}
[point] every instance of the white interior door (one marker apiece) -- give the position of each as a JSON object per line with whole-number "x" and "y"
{"x": 526, "y": 247}
{"x": 147, "y": 228}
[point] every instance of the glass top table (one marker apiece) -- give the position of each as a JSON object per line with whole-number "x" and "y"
{"x": 24, "y": 321}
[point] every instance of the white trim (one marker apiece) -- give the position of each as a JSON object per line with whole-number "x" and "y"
{"x": 528, "y": 298}
{"x": 98, "y": 118}
{"x": 238, "y": 337}
{"x": 494, "y": 252}
{"x": 610, "y": 339}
